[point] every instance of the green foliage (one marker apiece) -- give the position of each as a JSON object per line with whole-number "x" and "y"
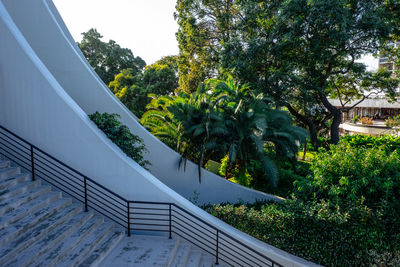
{"x": 388, "y": 143}
{"x": 119, "y": 134}
{"x": 393, "y": 121}
{"x": 318, "y": 232}
{"x": 133, "y": 88}
{"x": 108, "y": 59}
{"x": 223, "y": 118}
{"x": 298, "y": 52}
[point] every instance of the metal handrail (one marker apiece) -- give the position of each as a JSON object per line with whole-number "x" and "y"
{"x": 126, "y": 213}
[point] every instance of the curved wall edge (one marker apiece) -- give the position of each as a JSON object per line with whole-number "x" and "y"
{"x": 51, "y": 40}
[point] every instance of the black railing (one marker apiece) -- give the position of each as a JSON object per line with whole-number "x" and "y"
{"x": 132, "y": 215}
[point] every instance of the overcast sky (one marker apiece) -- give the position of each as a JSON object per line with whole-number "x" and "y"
{"x": 147, "y": 27}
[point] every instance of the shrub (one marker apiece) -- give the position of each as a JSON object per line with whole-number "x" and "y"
{"x": 315, "y": 231}
{"x": 366, "y": 120}
{"x": 130, "y": 144}
{"x": 346, "y": 175}
{"x": 387, "y": 142}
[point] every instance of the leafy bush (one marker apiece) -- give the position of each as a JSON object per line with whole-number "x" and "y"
{"x": 120, "y": 135}
{"x": 387, "y": 142}
{"x": 316, "y": 231}
{"x": 344, "y": 209}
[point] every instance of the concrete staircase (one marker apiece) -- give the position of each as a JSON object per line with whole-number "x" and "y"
{"x": 41, "y": 227}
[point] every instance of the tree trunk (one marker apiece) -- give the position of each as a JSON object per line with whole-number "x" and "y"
{"x": 312, "y": 128}
{"x": 337, "y": 119}
{"x": 304, "y": 151}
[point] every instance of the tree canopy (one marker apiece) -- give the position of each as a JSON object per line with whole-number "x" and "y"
{"x": 108, "y": 58}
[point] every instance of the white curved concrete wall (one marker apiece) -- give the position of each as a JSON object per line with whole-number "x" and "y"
{"x": 34, "y": 105}
{"x": 47, "y": 34}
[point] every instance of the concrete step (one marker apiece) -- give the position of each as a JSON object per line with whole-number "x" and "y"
{"x": 182, "y": 255}
{"x": 14, "y": 180}
{"x": 206, "y": 261}
{"x": 141, "y": 250}
{"x": 14, "y": 230}
{"x": 23, "y": 248}
{"x": 26, "y": 209}
{"x": 6, "y": 172}
{"x": 4, "y": 163}
{"x": 83, "y": 248}
{"x": 16, "y": 201}
{"x": 17, "y": 189}
{"x": 194, "y": 257}
{"x": 52, "y": 238}
{"x": 54, "y": 255}
{"x": 103, "y": 248}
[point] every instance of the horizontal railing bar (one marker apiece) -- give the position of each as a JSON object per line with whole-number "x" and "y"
{"x": 38, "y": 164}
{"x": 109, "y": 217}
{"x": 149, "y": 219}
{"x": 235, "y": 256}
{"x": 194, "y": 216}
{"x": 211, "y": 237}
{"x": 22, "y": 145}
{"x": 144, "y": 213}
{"x": 251, "y": 249}
{"x": 149, "y": 230}
{"x": 39, "y": 170}
{"x": 150, "y": 224}
{"x": 91, "y": 199}
{"x": 63, "y": 164}
{"x": 198, "y": 240}
{"x": 69, "y": 193}
{"x": 230, "y": 259}
{"x": 181, "y": 235}
{"x": 17, "y": 159}
{"x": 66, "y": 171}
{"x": 124, "y": 203}
{"x": 193, "y": 222}
{"x": 121, "y": 205}
{"x": 123, "y": 218}
{"x": 14, "y": 151}
{"x": 149, "y": 202}
{"x": 142, "y": 208}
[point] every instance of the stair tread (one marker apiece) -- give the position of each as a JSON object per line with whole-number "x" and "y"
{"x": 140, "y": 250}
{"x": 18, "y": 200}
{"x": 103, "y": 248}
{"x": 5, "y": 172}
{"x": 72, "y": 218}
{"x": 181, "y": 254}
{"x": 4, "y": 163}
{"x": 25, "y": 208}
{"x": 32, "y": 219}
{"x": 17, "y": 189}
{"x": 87, "y": 243}
{"x": 64, "y": 247}
{"x": 13, "y": 179}
{"x": 194, "y": 258}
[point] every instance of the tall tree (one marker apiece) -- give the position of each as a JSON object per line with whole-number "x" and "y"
{"x": 108, "y": 59}
{"x": 292, "y": 50}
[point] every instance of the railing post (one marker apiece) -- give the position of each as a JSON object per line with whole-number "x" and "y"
{"x": 170, "y": 221}
{"x": 216, "y": 251}
{"x": 85, "y": 188}
{"x": 32, "y": 164}
{"x": 129, "y": 219}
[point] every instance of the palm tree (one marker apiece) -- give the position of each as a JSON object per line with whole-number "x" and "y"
{"x": 250, "y": 124}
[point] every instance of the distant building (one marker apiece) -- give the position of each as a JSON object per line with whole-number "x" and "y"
{"x": 384, "y": 60}
{"x": 376, "y": 108}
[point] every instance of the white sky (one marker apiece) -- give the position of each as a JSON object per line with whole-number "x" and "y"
{"x": 147, "y": 27}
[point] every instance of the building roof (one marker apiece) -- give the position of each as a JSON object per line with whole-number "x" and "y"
{"x": 369, "y": 103}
